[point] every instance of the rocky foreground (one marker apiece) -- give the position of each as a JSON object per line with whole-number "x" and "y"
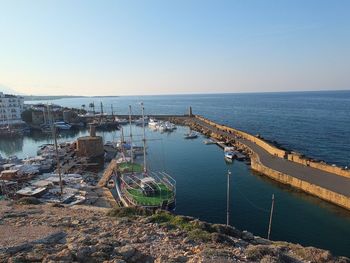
{"x": 46, "y": 233}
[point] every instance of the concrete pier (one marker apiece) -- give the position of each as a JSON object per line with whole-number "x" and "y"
{"x": 324, "y": 181}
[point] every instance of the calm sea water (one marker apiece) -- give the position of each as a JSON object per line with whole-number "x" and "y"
{"x": 200, "y": 170}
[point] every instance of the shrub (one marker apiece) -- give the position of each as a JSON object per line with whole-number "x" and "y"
{"x": 199, "y": 235}
{"x": 128, "y": 212}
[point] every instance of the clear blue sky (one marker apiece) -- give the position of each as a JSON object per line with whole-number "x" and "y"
{"x": 161, "y": 47}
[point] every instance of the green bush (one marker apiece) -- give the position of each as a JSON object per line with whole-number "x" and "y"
{"x": 199, "y": 235}
{"x": 128, "y": 212}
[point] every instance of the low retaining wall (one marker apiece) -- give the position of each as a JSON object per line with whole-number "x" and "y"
{"x": 321, "y": 166}
{"x": 307, "y": 187}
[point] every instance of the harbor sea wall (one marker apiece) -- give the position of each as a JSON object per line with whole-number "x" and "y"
{"x": 268, "y": 147}
{"x": 293, "y": 157}
{"x": 307, "y": 187}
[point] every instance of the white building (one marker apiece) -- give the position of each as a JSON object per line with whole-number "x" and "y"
{"x": 11, "y": 107}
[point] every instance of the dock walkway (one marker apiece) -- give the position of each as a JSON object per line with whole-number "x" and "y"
{"x": 329, "y": 181}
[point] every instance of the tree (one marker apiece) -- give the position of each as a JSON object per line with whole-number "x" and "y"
{"x": 27, "y": 116}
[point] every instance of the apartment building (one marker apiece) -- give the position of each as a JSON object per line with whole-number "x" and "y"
{"x": 11, "y": 107}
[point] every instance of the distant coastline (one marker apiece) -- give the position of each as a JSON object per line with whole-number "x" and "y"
{"x": 36, "y": 98}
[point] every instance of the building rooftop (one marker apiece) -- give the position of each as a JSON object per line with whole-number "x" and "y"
{"x": 2, "y": 95}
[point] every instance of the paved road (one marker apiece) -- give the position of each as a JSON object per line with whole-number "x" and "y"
{"x": 333, "y": 182}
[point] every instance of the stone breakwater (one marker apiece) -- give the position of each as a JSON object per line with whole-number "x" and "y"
{"x": 273, "y": 150}
{"x": 329, "y": 183}
{"x": 44, "y": 233}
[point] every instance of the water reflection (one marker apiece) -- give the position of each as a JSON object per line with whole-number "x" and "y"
{"x": 11, "y": 146}
{"x": 23, "y": 146}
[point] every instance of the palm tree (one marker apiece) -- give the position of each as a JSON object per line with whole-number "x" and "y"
{"x": 92, "y": 105}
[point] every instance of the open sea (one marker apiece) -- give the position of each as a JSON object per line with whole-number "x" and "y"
{"x": 316, "y": 124}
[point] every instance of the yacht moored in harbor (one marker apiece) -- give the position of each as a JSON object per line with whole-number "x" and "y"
{"x": 152, "y": 123}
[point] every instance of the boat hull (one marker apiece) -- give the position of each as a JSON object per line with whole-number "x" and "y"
{"x": 127, "y": 202}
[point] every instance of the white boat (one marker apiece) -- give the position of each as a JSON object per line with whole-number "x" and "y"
{"x": 229, "y": 155}
{"x": 121, "y": 121}
{"x": 152, "y": 123}
{"x": 62, "y": 125}
{"x": 191, "y": 135}
{"x": 209, "y": 141}
{"x": 139, "y": 122}
{"x": 162, "y": 127}
{"x": 170, "y": 126}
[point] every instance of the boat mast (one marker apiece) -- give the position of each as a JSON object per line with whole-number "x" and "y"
{"x": 122, "y": 135}
{"x": 49, "y": 118}
{"x": 44, "y": 116}
{"x": 131, "y": 146}
{"x": 122, "y": 142}
{"x": 54, "y": 135}
{"x": 144, "y": 138}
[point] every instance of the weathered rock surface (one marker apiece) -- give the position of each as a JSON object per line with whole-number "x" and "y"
{"x": 44, "y": 233}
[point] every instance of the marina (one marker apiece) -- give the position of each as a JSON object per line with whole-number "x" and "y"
{"x": 249, "y": 205}
{"x": 175, "y": 131}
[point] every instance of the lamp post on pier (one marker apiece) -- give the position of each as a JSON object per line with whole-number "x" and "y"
{"x": 228, "y": 199}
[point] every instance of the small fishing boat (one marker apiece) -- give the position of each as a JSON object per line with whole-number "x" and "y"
{"x": 62, "y": 125}
{"x": 229, "y": 153}
{"x": 121, "y": 121}
{"x": 140, "y": 121}
{"x": 169, "y": 126}
{"x": 229, "y": 156}
{"x": 209, "y": 141}
{"x": 191, "y": 135}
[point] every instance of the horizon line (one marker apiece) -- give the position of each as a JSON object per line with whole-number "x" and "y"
{"x": 189, "y": 93}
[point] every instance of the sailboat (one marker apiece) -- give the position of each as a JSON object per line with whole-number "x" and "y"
{"x": 137, "y": 185}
